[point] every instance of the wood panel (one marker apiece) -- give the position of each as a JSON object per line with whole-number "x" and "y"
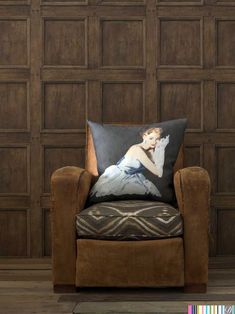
{"x": 61, "y": 2}
{"x": 225, "y": 105}
{"x": 14, "y": 169}
{"x": 46, "y": 232}
{"x": 226, "y": 227}
{"x": 14, "y": 105}
{"x": 56, "y": 157}
{"x": 13, "y": 42}
{"x": 132, "y": 61}
{"x": 180, "y": 42}
{"x": 14, "y": 233}
{"x": 225, "y": 169}
{"x": 182, "y": 99}
{"x": 64, "y": 100}
{"x": 225, "y": 44}
{"x": 122, "y": 2}
{"x": 180, "y": 2}
{"x": 193, "y": 156}
{"x": 120, "y": 98}
{"x": 123, "y": 43}
{"x": 65, "y": 42}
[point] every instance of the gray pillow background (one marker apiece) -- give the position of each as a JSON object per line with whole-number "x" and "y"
{"x": 111, "y": 143}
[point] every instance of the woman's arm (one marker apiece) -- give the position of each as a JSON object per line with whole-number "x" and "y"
{"x": 146, "y": 162}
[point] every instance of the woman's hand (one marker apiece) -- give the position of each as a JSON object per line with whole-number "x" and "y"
{"x": 138, "y": 153}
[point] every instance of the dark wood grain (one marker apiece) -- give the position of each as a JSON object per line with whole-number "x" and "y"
{"x": 26, "y": 284}
{"x": 64, "y": 100}
{"x": 180, "y": 42}
{"x": 13, "y": 42}
{"x": 226, "y": 231}
{"x": 225, "y": 105}
{"x": 14, "y": 166}
{"x": 132, "y": 61}
{"x": 123, "y": 42}
{"x": 13, "y": 243}
{"x": 225, "y": 46}
{"x": 46, "y": 232}
{"x": 119, "y": 99}
{"x": 13, "y": 106}
{"x": 65, "y": 42}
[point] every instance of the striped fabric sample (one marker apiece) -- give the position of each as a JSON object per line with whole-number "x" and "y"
{"x": 211, "y": 309}
{"x": 129, "y": 220}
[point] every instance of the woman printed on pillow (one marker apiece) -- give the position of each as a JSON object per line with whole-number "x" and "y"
{"x": 126, "y": 177}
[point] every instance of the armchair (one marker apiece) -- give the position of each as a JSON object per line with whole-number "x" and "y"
{"x": 173, "y": 262}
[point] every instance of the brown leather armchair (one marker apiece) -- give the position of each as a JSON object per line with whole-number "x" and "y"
{"x": 172, "y": 262}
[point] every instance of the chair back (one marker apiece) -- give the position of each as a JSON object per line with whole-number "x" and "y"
{"x": 91, "y": 161}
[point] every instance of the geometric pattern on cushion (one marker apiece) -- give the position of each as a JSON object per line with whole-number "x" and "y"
{"x": 129, "y": 220}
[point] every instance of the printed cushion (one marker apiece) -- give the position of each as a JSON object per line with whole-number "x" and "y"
{"x": 129, "y": 220}
{"x": 136, "y": 162}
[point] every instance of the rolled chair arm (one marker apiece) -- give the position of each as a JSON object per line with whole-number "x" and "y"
{"x": 69, "y": 190}
{"x": 192, "y": 188}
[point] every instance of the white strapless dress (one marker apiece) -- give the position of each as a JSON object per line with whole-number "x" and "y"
{"x": 124, "y": 178}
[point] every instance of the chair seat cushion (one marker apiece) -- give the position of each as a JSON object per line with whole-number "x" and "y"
{"x": 129, "y": 220}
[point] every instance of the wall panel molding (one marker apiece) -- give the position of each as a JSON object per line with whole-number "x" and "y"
{"x": 132, "y": 61}
{"x": 60, "y": 99}
{"x": 124, "y": 45}
{"x": 180, "y": 98}
{"x": 225, "y": 28}
{"x": 14, "y": 42}
{"x": 17, "y": 242}
{"x": 180, "y": 42}
{"x": 65, "y": 42}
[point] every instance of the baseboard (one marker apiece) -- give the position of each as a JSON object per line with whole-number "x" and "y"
{"x": 64, "y": 288}
{"x": 195, "y": 288}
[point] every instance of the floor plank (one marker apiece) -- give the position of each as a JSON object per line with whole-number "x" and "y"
{"x": 28, "y": 287}
{"x": 133, "y": 307}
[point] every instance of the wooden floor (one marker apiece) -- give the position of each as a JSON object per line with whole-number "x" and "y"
{"x": 25, "y": 287}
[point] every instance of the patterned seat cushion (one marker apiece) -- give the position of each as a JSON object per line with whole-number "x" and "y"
{"x": 129, "y": 220}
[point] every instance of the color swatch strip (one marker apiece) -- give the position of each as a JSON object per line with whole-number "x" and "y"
{"x": 211, "y": 309}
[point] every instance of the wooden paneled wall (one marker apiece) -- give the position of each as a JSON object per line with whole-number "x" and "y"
{"x": 62, "y": 61}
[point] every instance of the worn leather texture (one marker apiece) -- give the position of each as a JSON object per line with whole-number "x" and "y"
{"x": 169, "y": 262}
{"x": 90, "y": 161}
{"x": 69, "y": 190}
{"x": 192, "y": 187}
{"x": 152, "y": 263}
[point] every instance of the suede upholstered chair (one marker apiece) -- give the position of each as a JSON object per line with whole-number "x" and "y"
{"x": 173, "y": 262}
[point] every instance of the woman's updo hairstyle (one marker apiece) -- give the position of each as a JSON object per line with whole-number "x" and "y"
{"x": 152, "y": 130}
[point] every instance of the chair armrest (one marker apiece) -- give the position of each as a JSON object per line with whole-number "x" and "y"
{"x": 192, "y": 188}
{"x": 69, "y": 190}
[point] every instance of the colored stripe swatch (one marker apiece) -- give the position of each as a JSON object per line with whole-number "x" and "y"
{"x": 211, "y": 309}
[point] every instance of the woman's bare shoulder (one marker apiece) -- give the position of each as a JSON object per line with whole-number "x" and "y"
{"x": 135, "y": 148}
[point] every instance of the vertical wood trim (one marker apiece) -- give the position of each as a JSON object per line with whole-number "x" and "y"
{"x": 151, "y": 110}
{"x": 213, "y": 231}
{"x": 94, "y": 111}
{"x": 94, "y": 55}
{"x": 28, "y": 232}
{"x": 209, "y": 164}
{"x": 35, "y": 117}
{"x": 209, "y": 107}
{"x": 209, "y": 42}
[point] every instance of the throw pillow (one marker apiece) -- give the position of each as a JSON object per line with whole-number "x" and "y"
{"x": 136, "y": 162}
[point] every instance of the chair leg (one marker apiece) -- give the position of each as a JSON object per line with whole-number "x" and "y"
{"x": 64, "y": 288}
{"x": 195, "y": 288}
